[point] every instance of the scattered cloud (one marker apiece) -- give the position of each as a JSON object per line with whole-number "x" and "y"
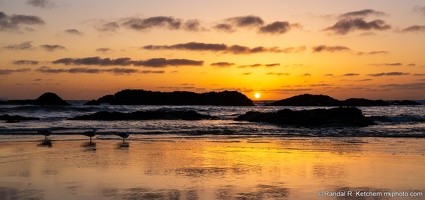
{"x": 73, "y": 32}
{"x": 411, "y": 65}
{"x": 162, "y": 62}
{"x": 372, "y": 53}
{"x": 222, "y": 64}
{"x": 278, "y": 27}
{"x": 387, "y": 64}
{"x": 19, "y": 22}
{"x": 247, "y": 73}
{"x": 154, "y": 62}
{"x": 223, "y": 48}
{"x": 418, "y": 74}
{"x": 350, "y": 74}
{"x": 278, "y": 74}
{"x": 245, "y": 21}
{"x": 250, "y": 66}
{"x": 353, "y": 21}
{"x": 10, "y": 71}
{"x": 41, "y": 3}
{"x": 415, "y": 28}
{"x": 103, "y": 50}
{"x": 362, "y": 13}
{"x": 140, "y": 24}
{"x": 117, "y": 71}
{"x": 272, "y": 65}
{"x": 152, "y": 72}
{"x": 325, "y": 48}
{"x": 25, "y": 62}
{"x": 193, "y": 25}
{"x": 109, "y": 27}
{"x": 306, "y": 74}
{"x": 94, "y": 61}
{"x": 53, "y": 47}
{"x": 389, "y": 74}
{"x": 22, "y": 46}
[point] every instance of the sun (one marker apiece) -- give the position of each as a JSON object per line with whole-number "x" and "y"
{"x": 257, "y": 95}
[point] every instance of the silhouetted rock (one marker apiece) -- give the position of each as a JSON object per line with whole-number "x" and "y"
{"x": 92, "y": 103}
{"x": 364, "y": 102}
{"x": 16, "y": 118}
{"x": 404, "y": 102}
{"x": 307, "y": 100}
{"x": 323, "y": 100}
{"x": 47, "y": 98}
{"x": 145, "y": 115}
{"x": 143, "y": 97}
{"x": 311, "y": 118}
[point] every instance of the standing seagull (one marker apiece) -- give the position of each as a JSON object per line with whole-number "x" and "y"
{"x": 45, "y": 132}
{"x": 123, "y": 135}
{"x": 90, "y": 134}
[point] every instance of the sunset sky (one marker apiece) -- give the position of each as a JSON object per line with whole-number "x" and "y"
{"x": 83, "y": 49}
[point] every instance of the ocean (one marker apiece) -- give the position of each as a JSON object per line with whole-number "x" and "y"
{"x": 392, "y": 121}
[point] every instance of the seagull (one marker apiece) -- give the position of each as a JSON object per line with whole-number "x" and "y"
{"x": 90, "y": 134}
{"x": 45, "y": 132}
{"x": 123, "y": 135}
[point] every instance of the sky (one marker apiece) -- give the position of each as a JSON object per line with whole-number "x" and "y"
{"x": 83, "y": 49}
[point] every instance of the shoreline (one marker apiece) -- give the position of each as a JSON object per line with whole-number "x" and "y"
{"x": 210, "y": 168}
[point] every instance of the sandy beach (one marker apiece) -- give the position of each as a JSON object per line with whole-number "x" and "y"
{"x": 168, "y": 167}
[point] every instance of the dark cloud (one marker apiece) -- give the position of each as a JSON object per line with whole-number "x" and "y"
{"x": 154, "y": 62}
{"x": 53, "y": 47}
{"x": 23, "y": 46}
{"x": 103, "y": 50}
{"x": 224, "y": 27}
{"x": 10, "y": 71}
{"x": 152, "y": 72}
{"x": 350, "y": 74}
{"x": 19, "y": 22}
{"x": 418, "y": 74}
{"x": 277, "y": 27}
{"x": 245, "y": 21}
{"x": 117, "y": 71}
{"x": 411, "y": 65}
{"x": 346, "y": 25}
{"x": 278, "y": 74}
{"x": 407, "y": 86}
{"x": 73, "y": 32}
{"x": 362, "y": 13}
{"x": 388, "y": 64}
{"x": 324, "y": 48}
{"x": 193, "y": 25}
{"x": 94, "y": 61}
{"x": 223, "y": 48}
{"x": 373, "y": 53}
{"x": 152, "y": 22}
{"x": 414, "y": 28}
{"x": 389, "y": 74}
{"x": 250, "y": 66}
{"x": 272, "y": 65}
{"x": 306, "y": 74}
{"x": 162, "y": 62}
{"x": 247, "y": 73}
{"x": 109, "y": 27}
{"x": 191, "y": 46}
{"x": 222, "y": 64}
{"x": 25, "y": 62}
{"x": 41, "y": 3}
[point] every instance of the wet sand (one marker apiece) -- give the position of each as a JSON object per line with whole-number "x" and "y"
{"x": 214, "y": 168}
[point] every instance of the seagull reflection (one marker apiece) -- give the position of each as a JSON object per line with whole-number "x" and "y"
{"x": 46, "y": 141}
{"x": 90, "y": 134}
{"x": 123, "y": 135}
{"x": 45, "y": 132}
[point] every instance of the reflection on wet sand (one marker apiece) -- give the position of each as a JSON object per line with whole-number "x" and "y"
{"x": 210, "y": 168}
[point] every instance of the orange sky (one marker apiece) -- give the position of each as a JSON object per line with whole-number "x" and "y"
{"x": 87, "y": 49}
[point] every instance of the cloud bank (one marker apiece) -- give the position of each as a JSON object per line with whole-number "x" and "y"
{"x": 19, "y": 23}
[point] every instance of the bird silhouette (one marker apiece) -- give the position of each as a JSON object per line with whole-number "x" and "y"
{"x": 90, "y": 134}
{"x": 123, "y": 135}
{"x": 45, "y": 132}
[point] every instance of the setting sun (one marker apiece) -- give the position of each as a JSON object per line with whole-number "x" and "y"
{"x": 257, "y": 95}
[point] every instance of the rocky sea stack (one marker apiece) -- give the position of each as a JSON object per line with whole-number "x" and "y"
{"x": 47, "y": 98}
{"x": 345, "y": 117}
{"x": 144, "y": 97}
{"x": 323, "y": 100}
